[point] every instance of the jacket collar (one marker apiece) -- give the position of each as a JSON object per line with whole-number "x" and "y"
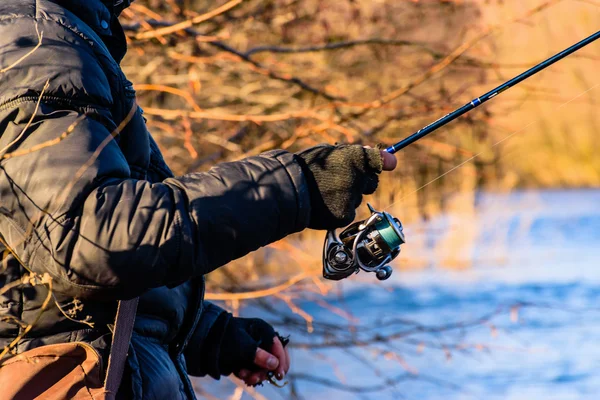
{"x": 101, "y": 16}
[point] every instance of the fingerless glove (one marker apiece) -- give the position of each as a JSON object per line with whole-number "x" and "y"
{"x": 241, "y": 338}
{"x": 338, "y": 176}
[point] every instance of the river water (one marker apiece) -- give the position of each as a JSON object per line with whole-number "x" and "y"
{"x": 522, "y": 322}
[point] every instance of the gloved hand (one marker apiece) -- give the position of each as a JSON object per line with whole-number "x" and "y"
{"x": 337, "y": 177}
{"x": 250, "y": 349}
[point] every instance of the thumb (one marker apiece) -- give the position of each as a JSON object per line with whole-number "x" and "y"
{"x": 389, "y": 161}
{"x": 266, "y": 360}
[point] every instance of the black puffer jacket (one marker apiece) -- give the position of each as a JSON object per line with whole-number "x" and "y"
{"x": 103, "y": 216}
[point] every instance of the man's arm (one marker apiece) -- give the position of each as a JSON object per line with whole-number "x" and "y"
{"x": 111, "y": 236}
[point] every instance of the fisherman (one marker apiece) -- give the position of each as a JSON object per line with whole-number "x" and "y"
{"x": 104, "y": 219}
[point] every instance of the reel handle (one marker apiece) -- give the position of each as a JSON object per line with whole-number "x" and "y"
{"x": 384, "y": 273}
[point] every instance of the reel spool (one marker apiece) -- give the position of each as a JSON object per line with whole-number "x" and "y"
{"x": 368, "y": 245}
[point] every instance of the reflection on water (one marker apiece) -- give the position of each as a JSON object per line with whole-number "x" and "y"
{"x": 523, "y": 322}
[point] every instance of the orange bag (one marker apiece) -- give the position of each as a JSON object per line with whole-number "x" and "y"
{"x": 69, "y": 370}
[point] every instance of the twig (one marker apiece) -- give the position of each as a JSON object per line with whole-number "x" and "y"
{"x": 189, "y": 23}
{"x": 273, "y": 75}
{"x": 459, "y": 51}
{"x": 351, "y": 388}
{"x": 40, "y": 37}
{"x": 338, "y": 45}
{"x": 5, "y": 254}
{"x": 244, "y": 57}
{"x": 257, "y": 293}
{"x": 66, "y": 191}
{"x": 145, "y": 10}
{"x": 97, "y": 152}
{"x": 13, "y": 320}
{"x": 187, "y": 138}
{"x": 85, "y": 321}
{"x": 209, "y": 114}
{"x": 168, "y": 89}
{"x": 45, "y": 280}
{"x": 378, "y": 338}
{"x": 9, "y": 286}
{"x": 48, "y": 143}
{"x": 33, "y": 115}
{"x": 297, "y": 310}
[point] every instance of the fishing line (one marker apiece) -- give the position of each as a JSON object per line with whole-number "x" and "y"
{"x": 491, "y": 147}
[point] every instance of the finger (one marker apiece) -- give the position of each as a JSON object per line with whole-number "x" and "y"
{"x": 279, "y": 352}
{"x": 256, "y": 377}
{"x": 389, "y": 161}
{"x": 251, "y": 377}
{"x": 243, "y": 374}
{"x": 262, "y": 376}
{"x": 251, "y": 380}
{"x": 266, "y": 360}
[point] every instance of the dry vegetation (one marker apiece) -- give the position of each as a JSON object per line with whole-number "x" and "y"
{"x": 219, "y": 82}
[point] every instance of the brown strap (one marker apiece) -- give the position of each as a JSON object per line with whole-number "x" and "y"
{"x": 120, "y": 344}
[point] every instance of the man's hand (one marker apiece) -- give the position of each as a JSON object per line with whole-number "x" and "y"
{"x": 251, "y": 350}
{"x": 338, "y": 177}
{"x": 277, "y": 361}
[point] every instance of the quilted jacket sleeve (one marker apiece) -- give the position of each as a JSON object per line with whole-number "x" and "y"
{"x": 85, "y": 221}
{"x": 202, "y": 351}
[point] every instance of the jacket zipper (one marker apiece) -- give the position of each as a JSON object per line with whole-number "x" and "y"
{"x": 55, "y": 99}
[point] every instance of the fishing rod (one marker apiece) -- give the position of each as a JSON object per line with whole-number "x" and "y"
{"x": 372, "y": 243}
{"x": 476, "y": 102}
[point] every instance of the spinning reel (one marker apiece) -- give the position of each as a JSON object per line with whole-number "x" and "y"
{"x": 368, "y": 245}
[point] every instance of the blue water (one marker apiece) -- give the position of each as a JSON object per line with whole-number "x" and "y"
{"x": 534, "y": 278}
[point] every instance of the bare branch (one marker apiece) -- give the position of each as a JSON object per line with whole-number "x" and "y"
{"x": 258, "y": 293}
{"x": 189, "y": 23}
{"x": 345, "y": 387}
{"x": 339, "y": 45}
{"x": 164, "y": 88}
{"x": 244, "y": 57}
{"x": 274, "y": 75}
{"x": 448, "y": 60}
